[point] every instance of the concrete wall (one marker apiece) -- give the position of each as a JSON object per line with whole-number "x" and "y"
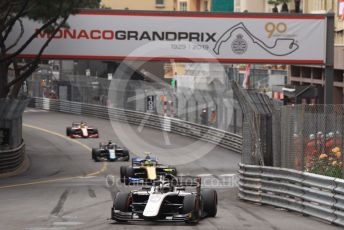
{"x": 11, "y": 118}
{"x": 253, "y": 6}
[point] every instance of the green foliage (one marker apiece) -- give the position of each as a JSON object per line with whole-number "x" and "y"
{"x": 52, "y": 14}
{"x": 327, "y": 164}
{"x": 44, "y": 10}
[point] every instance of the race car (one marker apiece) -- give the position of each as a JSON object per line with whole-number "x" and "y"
{"x": 81, "y": 130}
{"x": 166, "y": 200}
{"x": 144, "y": 170}
{"x": 110, "y": 152}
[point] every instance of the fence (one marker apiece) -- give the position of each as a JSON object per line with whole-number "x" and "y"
{"x": 189, "y": 104}
{"x": 310, "y": 194}
{"x": 312, "y": 139}
{"x": 257, "y": 126}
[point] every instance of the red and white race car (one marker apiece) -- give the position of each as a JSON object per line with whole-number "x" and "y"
{"x": 81, "y": 130}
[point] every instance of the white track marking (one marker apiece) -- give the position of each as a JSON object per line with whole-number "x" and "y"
{"x": 53, "y": 228}
{"x": 67, "y": 223}
{"x": 228, "y": 175}
{"x": 205, "y": 175}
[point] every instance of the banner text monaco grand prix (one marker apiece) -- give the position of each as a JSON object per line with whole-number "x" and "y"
{"x": 245, "y": 38}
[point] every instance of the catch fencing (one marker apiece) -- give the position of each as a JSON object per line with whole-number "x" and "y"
{"x": 214, "y": 108}
{"x": 312, "y": 139}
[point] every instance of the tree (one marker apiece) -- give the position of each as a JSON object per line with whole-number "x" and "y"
{"x": 52, "y": 14}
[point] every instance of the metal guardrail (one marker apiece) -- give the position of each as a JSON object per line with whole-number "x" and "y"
{"x": 310, "y": 194}
{"x": 12, "y": 159}
{"x": 222, "y": 138}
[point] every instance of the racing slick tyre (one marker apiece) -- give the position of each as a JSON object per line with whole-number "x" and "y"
{"x": 95, "y": 154}
{"x": 68, "y": 131}
{"x": 190, "y": 207}
{"x": 96, "y": 132}
{"x": 126, "y": 155}
{"x": 209, "y": 201}
{"x": 122, "y": 203}
{"x": 129, "y": 172}
{"x": 123, "y": 174}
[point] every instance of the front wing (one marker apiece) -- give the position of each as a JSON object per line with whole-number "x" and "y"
{"x": 131, "y": 216}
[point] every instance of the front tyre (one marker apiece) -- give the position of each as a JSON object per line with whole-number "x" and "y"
{"x": 191, "y": 208}
{"x": 121, "y": 203}
{"x": 68, "y": 131}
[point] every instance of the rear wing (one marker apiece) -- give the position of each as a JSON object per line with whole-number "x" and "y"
{"x": 137, "y": 160}
{"x": 188, "y": 181}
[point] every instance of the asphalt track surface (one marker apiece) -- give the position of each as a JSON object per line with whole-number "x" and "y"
{"x": 63, "y": 189}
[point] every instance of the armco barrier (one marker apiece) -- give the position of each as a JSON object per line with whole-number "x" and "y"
{"x": 222, "y": 138}
{"x": 12, "y": 159}
{"x": 306, "y": 193}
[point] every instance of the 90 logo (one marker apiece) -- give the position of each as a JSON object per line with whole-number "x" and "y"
{"x": 271, "y": 28}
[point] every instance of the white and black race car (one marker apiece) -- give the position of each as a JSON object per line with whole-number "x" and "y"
{"x": 166, "y": 200}
{"x": 81, "y": 130}
{"x": 110, "y": 152}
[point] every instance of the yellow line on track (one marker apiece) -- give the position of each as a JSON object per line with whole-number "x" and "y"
{"x": 101, "y": 170}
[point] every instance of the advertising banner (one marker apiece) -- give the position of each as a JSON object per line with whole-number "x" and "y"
{"x": 208, "y": 37}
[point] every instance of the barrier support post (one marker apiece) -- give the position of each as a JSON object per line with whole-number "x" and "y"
{"x": 329, "y": 68}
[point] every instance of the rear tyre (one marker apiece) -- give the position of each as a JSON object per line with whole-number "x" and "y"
{"x": 96, "y": 132}
{"x": 126, "y": 155}
{"x": 123, "y": 174}
{"x": 122, "y": 203}
{"x": 68, "y": 131}
{"x": 190, "y": 207}
{"x": 129, "y": 172}
{"x": 209, "y": 200}
{"x": 94, "y": 153}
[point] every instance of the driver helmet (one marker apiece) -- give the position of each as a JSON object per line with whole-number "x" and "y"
{"x": 165, "y": 187}
{"x": 147, "y": 156}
